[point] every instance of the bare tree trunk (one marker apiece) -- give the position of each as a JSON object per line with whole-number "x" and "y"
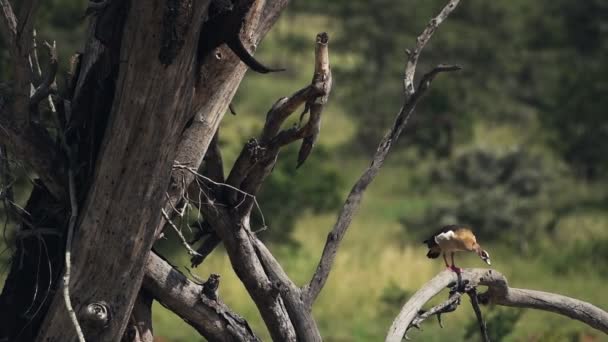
{"x": 142, "y": 78}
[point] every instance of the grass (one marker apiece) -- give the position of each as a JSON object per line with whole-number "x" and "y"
{"x": 377, "y": 254}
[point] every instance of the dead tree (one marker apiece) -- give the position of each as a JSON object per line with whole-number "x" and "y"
{"x": 131, "y": 144}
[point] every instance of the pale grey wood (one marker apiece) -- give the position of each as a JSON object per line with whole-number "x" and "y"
{"x": 212, "y": 319}
{"x": 498, "y": 293}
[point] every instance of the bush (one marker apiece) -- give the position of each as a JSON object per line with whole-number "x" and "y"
{"x": 498, "y": 195}
{"x": 499, "y": 321}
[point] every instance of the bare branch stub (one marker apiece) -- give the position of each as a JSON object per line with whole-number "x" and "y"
{"x": 353, "y": 199}
{"x": 498, "y": 293}
{"x": 257, "y": 158}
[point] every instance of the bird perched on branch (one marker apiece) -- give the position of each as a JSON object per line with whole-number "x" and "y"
{"x": 452, "y": 239}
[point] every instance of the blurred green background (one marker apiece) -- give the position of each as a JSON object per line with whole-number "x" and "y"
{"x": 515, "y": 145}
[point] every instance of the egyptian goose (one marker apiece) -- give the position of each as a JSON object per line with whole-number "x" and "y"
{"x": 451, "y": 239}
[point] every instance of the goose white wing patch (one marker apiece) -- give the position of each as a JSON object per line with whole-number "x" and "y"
{"x": 447, "y": 236}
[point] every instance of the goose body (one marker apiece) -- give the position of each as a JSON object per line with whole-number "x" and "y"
{"x": 451, "y": 239}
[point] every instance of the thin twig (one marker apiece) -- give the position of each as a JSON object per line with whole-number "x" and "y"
{"x": 68, "y": 253}
{"x": 449, "y": 305}
{"x": 482, "y": 324}
{"x": 421, "y": 41}
{"x": 246, "y": 194}
{"x": 71, "y": 226}
{"x": 179, "y": 233}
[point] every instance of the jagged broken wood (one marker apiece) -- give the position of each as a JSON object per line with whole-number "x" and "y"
{"x": 498, "y": 293}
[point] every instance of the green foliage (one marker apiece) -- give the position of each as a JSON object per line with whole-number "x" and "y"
{"x": 572, "y": 92}
{"x": 578, "y": 120}
{"x": 498, "y": 195}
{"x": 499, "y": 321}
{"x": 289, "y": 193}
{"x": 392, "y": 298}
{"x": 581, "y": 258}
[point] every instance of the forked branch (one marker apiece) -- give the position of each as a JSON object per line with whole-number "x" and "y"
{"x": 353, "y": 200}
{"x": 498, "y": 293}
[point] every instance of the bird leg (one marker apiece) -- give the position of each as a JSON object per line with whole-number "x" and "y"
{"x": 446, "y": 261}
{"x": 453, "y": 267}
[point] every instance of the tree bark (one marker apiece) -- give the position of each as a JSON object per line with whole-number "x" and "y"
{"x": 211, "y": 318}
{"x": 150, "y": 109}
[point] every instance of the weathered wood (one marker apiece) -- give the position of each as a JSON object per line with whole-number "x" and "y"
{"x": 212, "y": 319}
{"x": 498, "y": 293}
{"x": 149, "y": 112}
{"x": 235, "y": 234}
{"x": 219, "y": 78}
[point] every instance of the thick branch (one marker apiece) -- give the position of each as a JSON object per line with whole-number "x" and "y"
{"x": 148, "y": 113}
{"x": 498, "y": 293}
{"x": 236, "y": 236}
{"x": 212, "y": 319}
{"x": 299, "y": 314}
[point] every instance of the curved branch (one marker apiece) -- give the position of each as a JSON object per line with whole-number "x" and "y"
{"x": 498, "y": 293}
